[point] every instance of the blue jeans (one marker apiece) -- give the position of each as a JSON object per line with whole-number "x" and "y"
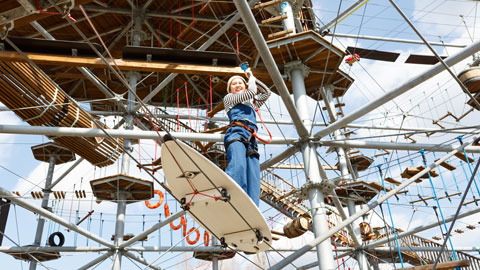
{"x": 245, "y": 170}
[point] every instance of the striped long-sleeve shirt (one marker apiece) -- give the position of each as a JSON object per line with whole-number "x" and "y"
{"x": 258, "y": 94}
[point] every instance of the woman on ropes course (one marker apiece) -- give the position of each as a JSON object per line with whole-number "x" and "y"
{"x": 240, "y": 142}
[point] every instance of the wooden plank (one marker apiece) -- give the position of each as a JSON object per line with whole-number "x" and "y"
{"x": 441, "y": 266}
{"x": 393, "y": 181}
{"x": 275, "y": 19}
{"x": 461, "y": 156}
{"x": 447, "y": 165}
{"x": 131, "y": 65}
{"x": 267, "y": 4}
{"x": 280, "y": 34}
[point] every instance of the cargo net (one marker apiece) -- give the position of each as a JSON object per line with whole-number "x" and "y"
{"x": 35, "y": 99}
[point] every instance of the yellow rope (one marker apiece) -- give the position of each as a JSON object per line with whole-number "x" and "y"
{"x": 350, "y": 13}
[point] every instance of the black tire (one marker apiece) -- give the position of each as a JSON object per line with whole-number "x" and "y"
{"x": 167, "y": 138}
{"x": 51, "y": 239}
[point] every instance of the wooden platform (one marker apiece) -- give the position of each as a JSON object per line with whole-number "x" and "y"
{"x": 43, "y": 152}
{"x": 319, "y": 55}
{"x": 41, "y": 256}
{"x": 409, "y": 172}
{"x": 108, "y": 188}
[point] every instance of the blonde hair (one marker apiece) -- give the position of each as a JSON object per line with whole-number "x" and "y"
{"x": 233, "y": 78}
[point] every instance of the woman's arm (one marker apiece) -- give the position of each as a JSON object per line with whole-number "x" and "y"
{"x": 264, "y": 94}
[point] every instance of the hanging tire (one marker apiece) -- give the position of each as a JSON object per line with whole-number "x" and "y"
{"x": 61, "y": 238}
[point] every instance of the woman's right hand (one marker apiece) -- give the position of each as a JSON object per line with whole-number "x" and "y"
{"x": 248, "y": 72}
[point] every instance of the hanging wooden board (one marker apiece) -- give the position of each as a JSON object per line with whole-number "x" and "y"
{"x": 238, "y": 221}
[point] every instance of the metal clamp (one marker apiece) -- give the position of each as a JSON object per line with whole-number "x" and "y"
{"x": 288, "y": 67}
{"x": 325, "y": 186}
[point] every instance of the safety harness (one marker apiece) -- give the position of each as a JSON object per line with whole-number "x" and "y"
{"x": 246, "y": 142}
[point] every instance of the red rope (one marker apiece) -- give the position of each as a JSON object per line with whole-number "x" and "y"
{"x": 188, "y": 106}
{"x": 193, "y": 15}
{"x": 269, "y": 134}
{"x": 139, "y": 156}
{"x": 40, "y": 10}
{"x": 171, "y": 26}
{"x": 159, "y": 45}
{"x": 178, "y": 111}
{"x": 206, "y": 112}
{"x": 203, "y": 11}
{"x": 156, "y": 144}
{"x": 198, "y": 113}
{"x": 179, "y": 21}
{"x": 211, "y": 95}
{"x": 238, "y": 48}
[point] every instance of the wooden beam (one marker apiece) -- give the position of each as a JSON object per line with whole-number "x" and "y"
{"x": 441, "y": 266}
{"x": 163, "y": 67}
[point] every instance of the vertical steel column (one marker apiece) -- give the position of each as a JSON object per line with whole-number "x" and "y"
{"x": 46, "y": 195}
{"x": 119, "y": 229}
{"x": 327, "y": 94}
{"x": 312, "y": 170}
{"x": 133, "y": 78}
{"x": 361, "y": 257}
{"x": 289, "y": 22}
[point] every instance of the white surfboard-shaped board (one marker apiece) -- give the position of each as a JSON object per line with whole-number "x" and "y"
{"x": 236, "y": 220}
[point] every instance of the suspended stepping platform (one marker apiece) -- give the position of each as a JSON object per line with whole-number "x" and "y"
{"x": 393, "y": 181}
{"x": 441, "y": 266}
{"x": 462, "y": 156}
{"x": 470, "y": 202}
{"x": 359, "y": 191}
{"x": 471, "y": 227}
{"x": 109, "y": 188}
{"x": 210, "y": 255}
{"x": 450, "y": 195}
{"x": 459, "y": 231}
{"x": 409, "y": 172}
{"x": 127, "y": 237}
{"x": 24, "y": 86}
{"x": 447, "y": 165}
{"x": 470, "y": 77}
{"x": 29, "y": 252}
{"x": 43, "y": 152}
{"x": 436, "y": 238}
{"x": 361, "y": 162}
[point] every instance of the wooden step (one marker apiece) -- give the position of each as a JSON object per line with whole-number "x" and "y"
{"x": 267, "y": 4}
{"x": 275, "y": 19}
{"x": 447, "y": 165}
{"x": 280, "y": 34}
{"x": 461, "y": 156}
{"x": 393, "y": 181}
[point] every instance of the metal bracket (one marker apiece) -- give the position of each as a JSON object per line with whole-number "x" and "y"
{"x": 325, "y": 186}
{"x": 288, "y": 67}
{"x": 6, "y": 28}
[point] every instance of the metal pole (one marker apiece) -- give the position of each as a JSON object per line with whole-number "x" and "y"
{"x": 396, "y": 146}
{"x": 342, "y": 164}
{"x": 94, "y": 262}
{"x": 312, "y": 170}
{"x": 74, "y": 165}
{"x": 47, "y": 214}
{"x": 409, "y": 84}
{"x": 272, "y": 68}
{"x": 152, "y": 229}
{"x": 116, "y": 133}
{"x": 340, "y": 15}
{"x": 46, "y": 195}
{"x": 16, "y": 249}
{"x": 424, "y": 227}
{"x": 85, "y": 71}
{"x": 454, "y": 76}
{"x": 125, "y": 168}
{"x": 141, "y": 260}
{"x": 360, "y": 213}
{"x": 399, "y": 40}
